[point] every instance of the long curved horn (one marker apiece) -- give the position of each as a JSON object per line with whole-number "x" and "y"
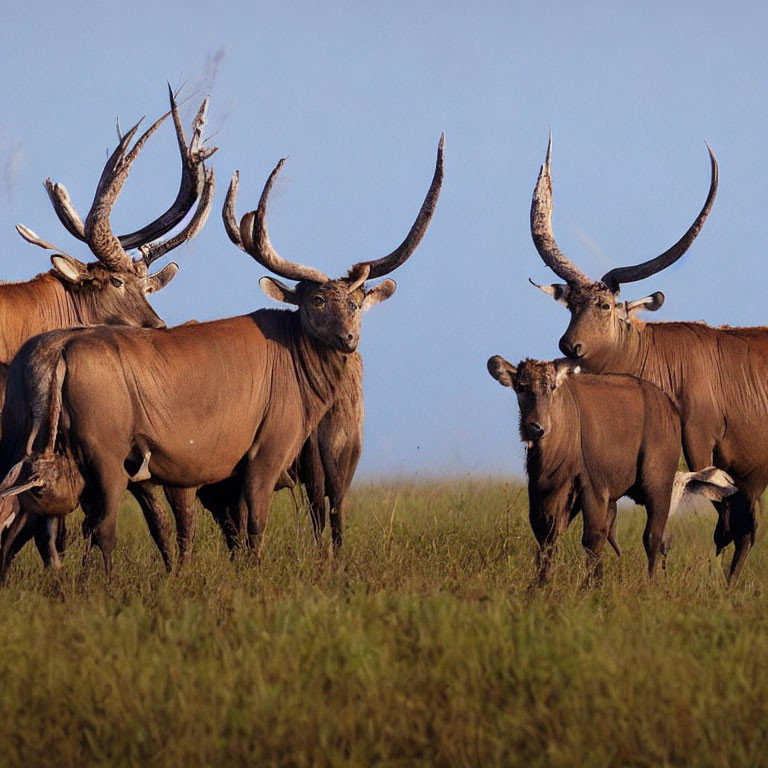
{"x": 254, "y": 237}
{"x": 616, "y": 277}
{"x": 541, "y": 228}
{"x": 228, "y": 211}
{"x": 387, "y": 264}
{"x": 97, "y": 229}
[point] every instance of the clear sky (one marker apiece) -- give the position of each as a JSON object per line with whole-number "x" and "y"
{"x": 356, "y": 95}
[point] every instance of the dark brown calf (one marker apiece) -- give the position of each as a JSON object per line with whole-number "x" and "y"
{"x": 591, "y": 440}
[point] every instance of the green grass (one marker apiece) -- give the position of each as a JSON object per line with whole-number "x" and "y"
{"x": 420, "y": 644}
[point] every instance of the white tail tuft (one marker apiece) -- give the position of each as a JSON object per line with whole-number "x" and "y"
{"x": 712, "y": 483}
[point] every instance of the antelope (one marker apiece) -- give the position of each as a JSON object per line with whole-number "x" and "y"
{"x": 196, "y": 403}
{"x": 113, "y": 289}
{"x": 717, "y": 377}
{"x": 591, "y": 440}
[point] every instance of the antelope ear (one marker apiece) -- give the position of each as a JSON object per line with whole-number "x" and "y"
{"x": 161, "y": 278}
{"x": 563, "y": 368}
{"x": 501, "y": 370}
{"x": 70, "y": 268}
{"x": 278, "y": 291}
{"x": 380, "y": 293}
{"x": 650, "y": 303}
{"x": 558, "y": 291}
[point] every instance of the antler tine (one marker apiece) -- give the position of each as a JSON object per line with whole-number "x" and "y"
{"x": 387, "y": 264}
{"x": 193, "y": 178}
{"x": 151, "y": 253}
{"x": 615, "y": 277}
{"x": 198, "y": 125}
{"x": 32, "y": 237}
{"x": 116, "y": 162}
{"x": 59, "y": 197}
{"x": 97, "y": 229}
{"x": 541, "y": 228}
{"x": 62, "y": 205}
{"x": 254, "y": 236}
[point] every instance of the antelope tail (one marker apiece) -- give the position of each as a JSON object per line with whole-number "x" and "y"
{"x": 712, "y": 483}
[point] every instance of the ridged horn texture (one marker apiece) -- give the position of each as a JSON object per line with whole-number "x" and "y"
{"x": 616, "y": 277}
{"x": 98, "y": 231}
{"x": 541, "y": 228}
{"x": 387, "y": 264}
{"x": 253, "y": 237}
{"x": 228, "y": 211}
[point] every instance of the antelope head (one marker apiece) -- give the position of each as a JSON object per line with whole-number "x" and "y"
{"x": 330, "y": 310}
{"x": 598, "y": 316}
{"x": 536, "y": 385}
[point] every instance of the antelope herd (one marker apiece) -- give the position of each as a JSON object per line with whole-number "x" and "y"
{"x": 100, "y": 396}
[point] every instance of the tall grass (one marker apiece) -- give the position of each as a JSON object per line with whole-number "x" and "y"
{"x": 420, "y": 644}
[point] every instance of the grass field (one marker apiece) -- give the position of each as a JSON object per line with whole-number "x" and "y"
{"x": 420, "y": 644}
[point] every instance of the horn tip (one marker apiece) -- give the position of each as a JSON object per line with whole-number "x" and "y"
{"x": 234, "y": 184}
{"x": 712, "y": 157}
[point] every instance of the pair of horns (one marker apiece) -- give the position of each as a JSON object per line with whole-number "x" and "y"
{"x": 565, "y": 269}
{"x": 252, "y": 236}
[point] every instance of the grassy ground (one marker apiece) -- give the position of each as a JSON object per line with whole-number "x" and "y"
{"x": 419, "y": 645}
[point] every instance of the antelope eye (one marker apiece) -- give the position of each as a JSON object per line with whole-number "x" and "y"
{"x": 318, "y": 301}
{"x": 605, "y": 306}
{"x": 520, "y": 388}
{"x": 116, "y": 281}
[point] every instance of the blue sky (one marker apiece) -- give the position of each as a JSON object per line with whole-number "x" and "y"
{"x": 356, "y": 95}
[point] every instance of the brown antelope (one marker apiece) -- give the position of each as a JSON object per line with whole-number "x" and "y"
{"x": 113, "y": 289}
{"x": 196, "y": 403}
{"x": 717, "y": 377}
{"x": 591, "y": 440}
